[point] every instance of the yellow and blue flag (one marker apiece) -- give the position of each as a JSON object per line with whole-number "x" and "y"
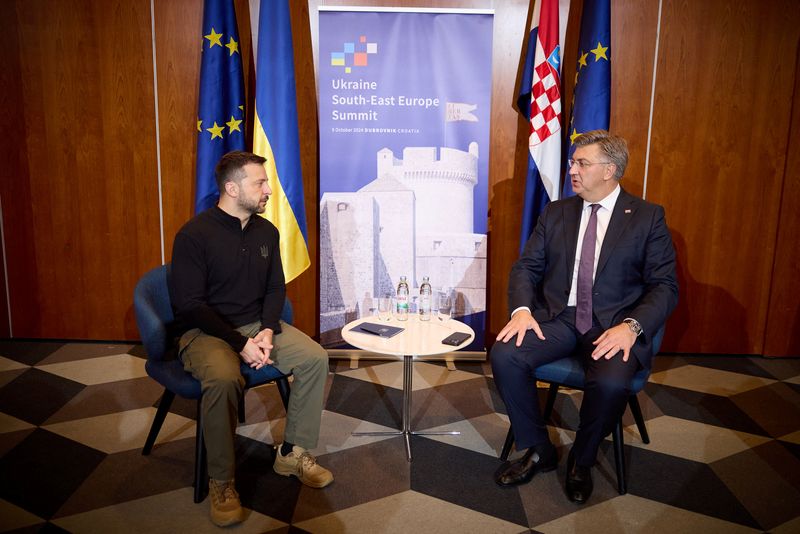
{"x": 591, "y": 109}
{"x": 220, "y": 116}
{"x": 276, "y": 136}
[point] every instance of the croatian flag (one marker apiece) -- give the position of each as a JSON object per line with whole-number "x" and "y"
{"x": 540, "y": 102}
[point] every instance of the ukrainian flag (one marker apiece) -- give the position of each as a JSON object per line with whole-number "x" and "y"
{"x": 275, "y": 135}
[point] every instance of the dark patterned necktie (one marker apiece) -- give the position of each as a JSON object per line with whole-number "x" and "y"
{"x": 583, "y": 313}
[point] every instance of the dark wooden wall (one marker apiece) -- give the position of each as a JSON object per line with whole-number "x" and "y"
{"x": 80, "y": 198}
{"x": 80, "y": 185}
{"x": 720, "y": 139}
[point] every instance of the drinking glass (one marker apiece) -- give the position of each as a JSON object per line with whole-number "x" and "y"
{"x": 385, "y": 308}
{"x": 445, "y": 311}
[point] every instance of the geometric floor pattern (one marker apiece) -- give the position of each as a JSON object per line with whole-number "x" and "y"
{"x": 724, "y": 451}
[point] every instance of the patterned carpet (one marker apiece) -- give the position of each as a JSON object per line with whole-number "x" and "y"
{"x": 724, "y": 453}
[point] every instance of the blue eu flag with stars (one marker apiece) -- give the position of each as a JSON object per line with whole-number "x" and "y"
{"x": 220, "y": 116}
{"x": 591, "y": 109}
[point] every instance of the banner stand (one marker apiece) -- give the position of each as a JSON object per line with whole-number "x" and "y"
{"x": 404, "y": 100}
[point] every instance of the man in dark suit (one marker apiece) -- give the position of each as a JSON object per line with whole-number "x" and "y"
{"x": 596, "y": 280}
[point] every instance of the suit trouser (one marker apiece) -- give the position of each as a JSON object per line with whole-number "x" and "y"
{"x": 606, "y": 392}
{"x": 215, "y": 364}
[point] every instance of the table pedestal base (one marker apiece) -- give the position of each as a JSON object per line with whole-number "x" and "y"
{"x": 406, "y": 430}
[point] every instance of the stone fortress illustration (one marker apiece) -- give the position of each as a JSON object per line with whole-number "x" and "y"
{"x": 415, "y": 219}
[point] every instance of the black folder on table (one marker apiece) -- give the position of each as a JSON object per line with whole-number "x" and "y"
{"x": 382, "y": 330}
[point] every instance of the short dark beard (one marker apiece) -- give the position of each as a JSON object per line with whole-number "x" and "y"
{"x": 252, "y": 209}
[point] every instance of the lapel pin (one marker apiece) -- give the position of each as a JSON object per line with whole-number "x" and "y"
{"x": 627, "y": 211}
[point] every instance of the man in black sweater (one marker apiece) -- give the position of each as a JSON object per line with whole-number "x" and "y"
{"x": 228, "y": 291}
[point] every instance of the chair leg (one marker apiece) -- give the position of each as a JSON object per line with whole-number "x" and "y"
{"x": 552, "y": 392}
{"x": 507, "y": 445}
{"x": 636, "y": 411}
{"x": 619, "y": 457}
{"x": 158, "y": 420}
{"x": 241, "y": 406}
{"x": 283, "y": 389}
{"x": 200, "y": 461}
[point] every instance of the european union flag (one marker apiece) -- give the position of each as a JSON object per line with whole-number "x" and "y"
{"x": 220, "y": 116}
{"x": 592, "y": 99}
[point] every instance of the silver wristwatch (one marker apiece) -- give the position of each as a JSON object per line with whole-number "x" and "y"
{"x": 634, "y": 325}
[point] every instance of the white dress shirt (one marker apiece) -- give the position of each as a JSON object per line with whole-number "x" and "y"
{"x": 603, "y": 218}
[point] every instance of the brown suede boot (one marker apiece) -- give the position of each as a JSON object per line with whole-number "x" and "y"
{"x": 226, "y": 508}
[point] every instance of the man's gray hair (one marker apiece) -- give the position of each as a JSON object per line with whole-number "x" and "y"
{"x": 614, "y": 147}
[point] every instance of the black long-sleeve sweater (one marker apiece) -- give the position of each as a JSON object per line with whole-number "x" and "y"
{"x": 225, "y": 276}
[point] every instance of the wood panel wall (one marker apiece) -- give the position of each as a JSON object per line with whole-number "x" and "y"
{"x": 14, "y": 182}
{"x": 80, "y": 205}
{"x": 80, "y": 191}
{"x": 783, "y": 316}
{"x": 720, "y": 136}
{"x": 177, "y": 38}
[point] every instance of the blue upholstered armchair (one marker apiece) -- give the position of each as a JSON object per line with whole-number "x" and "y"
{"x": 154, "y": 317}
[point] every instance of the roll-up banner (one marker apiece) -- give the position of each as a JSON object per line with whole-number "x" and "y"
{"x": 404, "y": 108}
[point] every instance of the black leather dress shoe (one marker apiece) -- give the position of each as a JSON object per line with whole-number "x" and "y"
{"x": 522, "y": 470}
{"x": 579, "y": 482}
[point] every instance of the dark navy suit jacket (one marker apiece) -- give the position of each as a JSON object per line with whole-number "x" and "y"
{"x": 635, "y": 273}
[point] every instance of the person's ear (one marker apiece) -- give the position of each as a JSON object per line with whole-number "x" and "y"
{"x": 232, "y": 189}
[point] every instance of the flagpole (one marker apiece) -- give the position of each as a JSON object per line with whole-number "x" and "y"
{"x": 158, "y": 130}
{"x": 652, "y": 103}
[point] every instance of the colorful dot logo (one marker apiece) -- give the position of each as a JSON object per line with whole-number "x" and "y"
{"x": 354, "y": 54}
